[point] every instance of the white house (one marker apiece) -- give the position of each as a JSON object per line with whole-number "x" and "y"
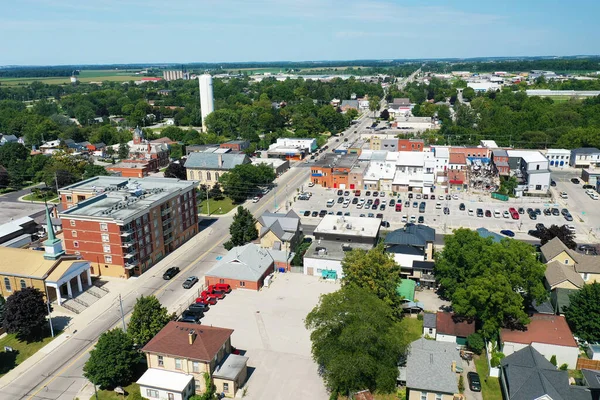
{"x": 558, "y": 158}
{"x": 442, "y": 156}
{"x": 310, "y": 145}
{"x": 163, "y": 384}
{"x": 548, "y": 334}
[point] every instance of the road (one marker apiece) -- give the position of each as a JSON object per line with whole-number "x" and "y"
{"x": 59, "y": 375}
{"x": 13, "y": 197}
{"x": 409, "y": 79}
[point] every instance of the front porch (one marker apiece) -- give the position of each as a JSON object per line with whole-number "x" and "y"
{"x": 64, "y": 278}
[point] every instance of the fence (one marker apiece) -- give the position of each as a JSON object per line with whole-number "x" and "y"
{"x": 584, "y": 363}
{"x": 493, "y": 371}
{"x": 196, "y": 290}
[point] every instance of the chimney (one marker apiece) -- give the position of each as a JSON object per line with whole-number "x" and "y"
{"x": 453, "y": 366}
{"x": 191, "y": 336}
{"x": 220, "y": 160}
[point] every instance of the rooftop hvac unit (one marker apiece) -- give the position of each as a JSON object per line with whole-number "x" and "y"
{"x": 349, "y": 226}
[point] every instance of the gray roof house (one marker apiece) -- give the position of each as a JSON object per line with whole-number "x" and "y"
{"x": 527, "y": 375}
{"x": 411, "y": 235}
{"x": 347, "y": 104}
{"x": 215, "y": 161}
{"x": 279, "y": 231}
{"x": 8, "y": 139}
{"x": 431, "y": 368}
{"x": 249, "y": 264}
{"x": 429, "y": 324}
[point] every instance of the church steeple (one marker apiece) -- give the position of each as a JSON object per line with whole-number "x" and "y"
{"x": 52, "y": 246}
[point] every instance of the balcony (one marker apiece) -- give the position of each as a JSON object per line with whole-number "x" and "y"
{"x": 166, "y": 219}
{"x": 165, "y": 211}
{"x": 129, "y": 256}
{"x": 168, "y": 239}
{"x": 168, "y": 230}
{"x": 126, "y": 232}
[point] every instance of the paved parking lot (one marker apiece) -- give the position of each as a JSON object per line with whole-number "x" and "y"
{"x": 269, "y": 326}
{"x": 585, "y": 211}
{"x": 430, "y": 300}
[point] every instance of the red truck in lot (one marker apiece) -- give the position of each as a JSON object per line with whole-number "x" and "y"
{"x": 223, "y": 287}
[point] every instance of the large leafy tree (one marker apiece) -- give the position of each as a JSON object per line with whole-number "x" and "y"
{"x": 356, "y": 341}
{"x": 242, "y": 181}
{"x": 2, "y": 308}
{"x": 493, "y": 282}
{"x": 92, "y": 170}
{"x": 583, "y": 313}
{"x": 376, "y": 271}
{"x": 242, "y": 229}
{"x": 374, "y": 103}
{"x": 25, "y": 314}
{"x": 176, "y": 170}
{"x": 560, "y": 232}
{"x": 147, "y": 319}
{"x": 112, "y": 362}
{"x": 123, "y": 151}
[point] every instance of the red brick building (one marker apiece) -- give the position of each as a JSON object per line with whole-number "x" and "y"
{"x": 134, "y": 168}
{"x": 500, "y": 161}
{"x": 235, "y": 145}
{"x": 244, "y": 267}
{"x": 410, "y": 144}
{"x": 125, "y": 226}
{"x": 332, "y": 171}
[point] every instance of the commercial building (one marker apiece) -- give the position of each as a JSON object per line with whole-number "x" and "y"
{"x": 412, "y": 249}
{"x": 181, "y": 353}
{"x": 585, "y": 157}
{"x": 175, "y": 74}
{"x": 245, "y": 267}
{"x": 500, "y": 161}
{"x": 334, "y": 236}
{"x": 531, "y": 169}
{"x": 207, "y": 105}
{"x": 206, "y": 168}
{"x": 17, "y": 233}
{"x": 415, "y": 171}
{"x": 133, "y": 168}
{"x": 331, "y": 170}
{"x": 140, "y": 150}
{"x": 125, "y": 226}
{"x": 558, "y": 158}
{"x": 292, "y": 148}
{"x": 379, "y": 143}
{"x": 278, "y": 165}
{"x": 236, "y": 145}
{"x": 410, "y": 145}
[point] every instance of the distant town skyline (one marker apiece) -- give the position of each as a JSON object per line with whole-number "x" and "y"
{"x": 59, "y": 32}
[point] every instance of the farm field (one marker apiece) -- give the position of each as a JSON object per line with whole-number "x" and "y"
{"x": 85, "y": 76}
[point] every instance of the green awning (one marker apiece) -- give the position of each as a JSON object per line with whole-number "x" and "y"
{"x": 329, "y": 274}
{"x": 406, "y": 289}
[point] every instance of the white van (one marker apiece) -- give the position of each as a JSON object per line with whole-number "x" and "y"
{"x": 470, "y": 211}
{"x": 330, "y": 202}
{"x": 497, "y": 214}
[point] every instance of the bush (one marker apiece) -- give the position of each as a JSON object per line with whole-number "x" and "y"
{"x": 553, "y": 360}
{"x": 420, "y": 317}
{"x": 461, "y": 384}
{"x": 564, "y": 367}
{"x": 496, "y": 358}
{"x": 475, "y": 343}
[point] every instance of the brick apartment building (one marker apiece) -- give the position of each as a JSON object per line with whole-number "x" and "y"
{"x": 332, "y": 170}
{"x": 125, "y": 226}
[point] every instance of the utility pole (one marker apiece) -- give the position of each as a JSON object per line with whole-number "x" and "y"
{"x": 56, "y": 182}
{"x": 275, "y": 197}
{"x": 286, "y": 197}
{"x": 207, "y": 203}
{"x": 122, "y": 314}
{"x": 48, "y": 307}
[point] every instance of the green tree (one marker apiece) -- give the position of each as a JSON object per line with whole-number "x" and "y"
{"x": 508, "y": 185}
{"x": 113, "y": 360}
{"x": 553, "y": 360}
{"x": 92, "y": 170}
{"x": 123, "y": 151}
{"x": 25, "y": 314}
{"x": 494, "y": 282}
{"x": 583, "y": 313}
{"x": 242, "y": 229}
{"x": 215, "y": 192}
{"x": 461, "y": 384}
{"x": 352, "y": 114}
{"x": 243, "y": 180}
{"x": 2, "y": 309}
{"x": 374, "y": 104}
{"x": 356, "y": 341}
{"x": 376, "y": 271}
{"x": 468, "y": 93}
{"x": 475, "y": 343}
{"x": 560, "y": 232}
{"x": 176, "y": 170}
{"x": 147, "y": 319}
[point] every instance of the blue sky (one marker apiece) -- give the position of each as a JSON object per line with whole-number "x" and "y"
{"x": 49, "y": 32}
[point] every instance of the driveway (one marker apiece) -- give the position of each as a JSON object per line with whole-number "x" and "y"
{"x": 467, "y": 367}
{"x": 431, "y": 300}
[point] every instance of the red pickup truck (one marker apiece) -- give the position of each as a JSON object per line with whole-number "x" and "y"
{"x": 206, "y": 300}
{"x": 223, "y": 287}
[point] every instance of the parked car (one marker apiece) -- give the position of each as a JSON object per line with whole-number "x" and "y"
{"x": 375, "y": 193}
{"x": 256, "y": 199}
{"x": 446, "y": 210}
{"x": 379, "y": 215}
{"x": 206, "y": 300}
{"x": 461, "y": 207}
{"x": 540, "y": 227}
{"x": 199, "y": 307}
{"x": 480, "y": 212}
{"x": 191, "y": 316}
{"x": 537, "y": 211}
{"x": 506, "y": 214}
{"x": 385, "y": 224}
{"x": 306, "y": 213}
{"x": 340, "y": 200}
{"x": 564, "y": 195}
{"x": 521, "y": 210}
{"x": 355, "y": 200}
{"x": 552, "y": 182}
{"x": 367, "y": 193}
{"x": 575, "y": 181}
{"x": 392, "y": 203}
{"x": 322, "y": 213}
{"x": 547, "y": 211}
{"x": 432, "y": 197}
{"x": 315, "y": 214}
{"x": 507, "y": 232}
{"x": 588, "y": 187}
{"x": 421, "y": 219}
{"x": 340, "y": 192}
{"x": 535, "y": 233}
{"x": 170, "y": 273}
{"x": 347, "y": 193}
{"x": 488, "y": 213}
{"x": 223, "y": 287}
{"x": 532, "y": 215}
{"x": 474, "y": 382}
{"x": 189, "y": 282}
{"x": 568, "y": 217}
{"x": 555, "y": 212}
{"x": 311, "y": 184}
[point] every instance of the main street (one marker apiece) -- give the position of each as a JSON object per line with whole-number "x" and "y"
{"x": 59, "y": 373}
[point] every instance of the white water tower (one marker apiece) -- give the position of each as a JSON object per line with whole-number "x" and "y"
{"x": 206, "y": 97}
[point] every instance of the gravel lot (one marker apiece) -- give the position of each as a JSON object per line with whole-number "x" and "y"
{"x": 269, "y": 326}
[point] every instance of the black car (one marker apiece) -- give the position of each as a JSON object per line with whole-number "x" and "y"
{"x": 374, "y": 206}
{"x": 421, "y": 219}
{"x": 588, "y": 187}
{"x": 380, "y": 215}
{"x": 521, "y": 210}
{"x": 569, "y": 217}
{"x": 191, "y": 316}
{"x": 410, "y": 195}
{"x": 564, "y": 211}
{"x": 371, "y": 215}
{"x": 339, "y": 213}
{"x": 199, "y": 307}
{"x": 480, "y": 212}
{"x": 340, "y": 192}
{"x": 575, "y": 181}
{"x": 355, "y": 200}
{"x": 462, "y": 207}
{"x": 532, "y": 215}
{"x": 392, "y": 203}
{"x": 535, "y": 233}
{"x": 322, "y": 213}
{"x": 540, "y": 227}
{"x": 529, "y": 210}
{"x": 382, "y": 207}
{"x": 347, "y": 193}
{"x": 552, "y": 183}
{"x": 307, "y": 213}
{"x": 170, "y": 273}
{"x": 315, "y": 214}
{"x": 537, "y": 211}
{"x": 474, "y": 382}
{"x": 385, "y": 224}
{"x": 340, "y": 200}
{"x": 547, "y": 211}
{"x": 367, "y": 193}
{"x": 555, "y": 212}
{"x": 375, "y": 193}
{"x": 507, "y": 232}
{"x": 446, "y": 210}
{"x": 189, "y": 282}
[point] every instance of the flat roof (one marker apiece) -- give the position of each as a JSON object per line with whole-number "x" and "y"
{"x": 528, "y": 155}
{"x": 274, "y": 162}
{"x": 122, "y": 199}
{"x": 349, "y": 226}
{"x": 333, "y": 250}
{"x": 331, "y": 160}
{"x": 164, "y": 379}
{"x": 231, "y": 367}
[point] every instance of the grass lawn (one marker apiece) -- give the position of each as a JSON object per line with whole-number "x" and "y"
{"x": 414, "y": 328}
{"x": 217, "y": 207}
{"x": 490, "y": 387}
{"x": 23, "y": 351}
{"x": 111, "y": 395}
{"x": 34, "y": 197}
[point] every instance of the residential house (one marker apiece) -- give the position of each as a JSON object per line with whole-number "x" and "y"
{"x": 206, "y": 168}
{"x": 560, "y": 299}
{"x": 50, "y": 147}
{"x": 412, "y": 246}
{"x": 527, "y": 375}
{"x": 431, "y": 370}
{"x": 561, "y": 262}
{"x": 453, "y": 329}
{"x": 334, "y": 236}
{"x": 191, "y": 350}
{"x": 8, "y": 139}
{"x": 244, "y": 267}
{"x": 585, "y": 157}
{"x": 400, "y": 106}
{"x": 429, "y": 324}
{"x": 548, "y": 334}
{"x": 279, "y": 231}
{"x": 349, "y": 104}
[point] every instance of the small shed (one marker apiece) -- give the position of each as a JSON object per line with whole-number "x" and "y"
{"x": 593, "y": 351}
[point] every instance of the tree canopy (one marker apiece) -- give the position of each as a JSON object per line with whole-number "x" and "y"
{"x": 243, "y": 180}
{"x": 376, "y": 271}
{"x": 356, "y": 341}
{"x": 147, "y": 319}
{"x": 583, "y": 313}
{"x": 493, "y": 282}
{"x": 176, "y": 170}
{"x": 25, "y": 314}
{"x": 112, "y": 362}
{"x": 560, "y": 232}
{"x": 242, "y": 229}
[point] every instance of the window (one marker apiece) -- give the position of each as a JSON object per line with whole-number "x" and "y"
{"x": 431, "y": 331}
{"x": 242, "y": 283}
{"x": 23, "y": 284}
{"x": 103, "y": 226}
{"x": 438, "y": 396}
{"x": 105, "y": 237}
{"x": 107, "y": 258}
{"x": 423, "y": 395}
{"x": 7, "y": 285}
{"x": 195, "y": 366}
{"x": 170, "y": 396}
{"x": 585, "y": 276}
{"x": 221, "y": 280}
{"x": 72, "y": 222}
{"x": 161, "y": 361}
{"x": 69, "y": 199}
{"x": 566, "y": 261}
{"x": 76, "y": 244}
{"x": 207, "y": 176}
{"x": 152, "y": 393}
{"x": 178, "y": 363}
{"x": 74, "y": 233}
{"x": 106, "y": 248}
{"x": 225, "y": 387}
